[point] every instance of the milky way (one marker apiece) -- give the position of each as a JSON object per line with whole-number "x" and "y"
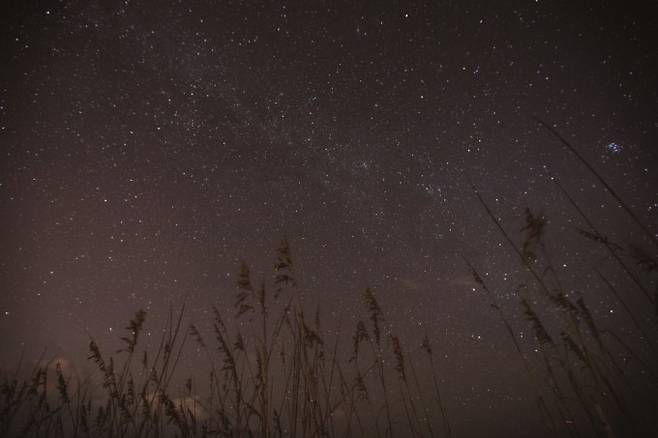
{"x": 148, "y": 147}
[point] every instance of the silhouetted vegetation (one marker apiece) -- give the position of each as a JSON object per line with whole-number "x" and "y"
{"x": 274, "y": 372}
{"x": 595, "y": 382}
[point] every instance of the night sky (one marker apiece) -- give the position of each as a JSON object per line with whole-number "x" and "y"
{"x": 149, "y": 146}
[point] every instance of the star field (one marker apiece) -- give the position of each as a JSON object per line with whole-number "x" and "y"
{"x": 149, "y": 147}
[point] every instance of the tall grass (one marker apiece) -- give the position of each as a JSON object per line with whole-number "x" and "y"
{"x": 596, "y": 381}
{"x": 273, "y": 372}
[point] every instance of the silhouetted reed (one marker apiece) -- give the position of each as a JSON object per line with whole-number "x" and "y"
{"x": 581, "y": 364}
{"x": 273, "y": 371}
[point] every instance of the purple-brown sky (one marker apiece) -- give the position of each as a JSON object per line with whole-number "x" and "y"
{"x": 148, "y": 146}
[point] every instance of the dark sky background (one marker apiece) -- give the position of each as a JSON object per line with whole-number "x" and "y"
{"x": 148, "y": 146}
